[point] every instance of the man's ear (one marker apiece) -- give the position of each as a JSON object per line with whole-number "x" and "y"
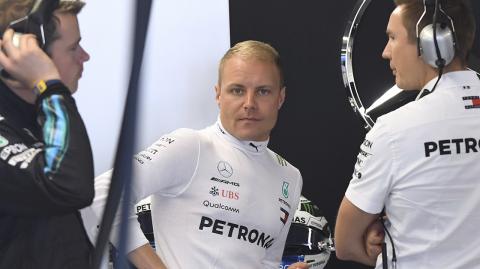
{"x": 281, "y": 99}
{"x": 217, "y": 94}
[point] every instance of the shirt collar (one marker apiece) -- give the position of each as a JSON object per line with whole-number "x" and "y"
{"x": 255, "y": 147}
{"x": 452, "y": 79}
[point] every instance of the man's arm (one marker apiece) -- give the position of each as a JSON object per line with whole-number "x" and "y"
{"x": 145, "y": 257}
{"x": 166, "y": 167}
{"x": 351, "y": 234}
{"x": 56, "y": 175}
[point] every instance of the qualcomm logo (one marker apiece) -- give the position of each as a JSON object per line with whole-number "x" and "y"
{"x": 225, "y": 169}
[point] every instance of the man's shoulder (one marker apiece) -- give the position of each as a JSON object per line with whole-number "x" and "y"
{"x": 281, "y": 163}
{"x": 412, "y": 115}
{"x": 179, "y": 134}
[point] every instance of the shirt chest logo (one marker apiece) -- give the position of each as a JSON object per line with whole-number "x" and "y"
{"x": 284, "y": 213}
{"x": 224, "y": 193}
{"x": 471, "y": 102}
{"x": 225, "y": 169}
{"x": 285, "y": 189}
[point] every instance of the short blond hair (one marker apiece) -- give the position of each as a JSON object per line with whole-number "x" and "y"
{"x": 252, "y": 49}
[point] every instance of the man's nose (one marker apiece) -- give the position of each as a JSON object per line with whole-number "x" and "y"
{"x": 250, "y": 101}
{"x": 386, "y": 52}
{"x": 84, "y": 56}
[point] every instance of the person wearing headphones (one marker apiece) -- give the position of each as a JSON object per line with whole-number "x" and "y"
{"x": 220, "y": 197}
{"x": 46, "y": 163}
{"x": 420, "y": 163}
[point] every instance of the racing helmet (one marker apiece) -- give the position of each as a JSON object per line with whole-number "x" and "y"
{"x": 309, "y": 238}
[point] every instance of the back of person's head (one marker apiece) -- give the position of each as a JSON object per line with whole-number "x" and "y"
{"x": 11, "y": 10}
{"x": 253, "y": 50}
{"x": 458, "y": 10}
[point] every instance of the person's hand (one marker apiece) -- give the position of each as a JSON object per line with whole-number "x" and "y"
{"x": 374, "y": 237}
{"x": 299, "y": 265}
{"x": 27, "y": 63}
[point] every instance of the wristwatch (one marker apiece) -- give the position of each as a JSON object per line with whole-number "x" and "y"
{"x": 43, "y": 85}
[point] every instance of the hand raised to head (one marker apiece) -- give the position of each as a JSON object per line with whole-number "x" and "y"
{"x": 26, "y": 63}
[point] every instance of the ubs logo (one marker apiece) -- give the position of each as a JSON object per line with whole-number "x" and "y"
{"x": 214, "y": 191}
{"x": 225, "y": 169}
{"x": 228, "y": 194}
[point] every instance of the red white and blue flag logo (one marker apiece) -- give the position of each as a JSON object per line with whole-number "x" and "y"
{"x": 471, "y": 102}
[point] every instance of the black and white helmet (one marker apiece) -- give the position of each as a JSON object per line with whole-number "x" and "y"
{"x": 309, "y": 239}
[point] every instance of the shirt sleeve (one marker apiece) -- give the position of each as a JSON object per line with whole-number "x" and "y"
{"x": 274, "y": 253}
{"x": 54, "y": 175}
{"x": 372, "y": 177}
{"x": 164, "y": 168}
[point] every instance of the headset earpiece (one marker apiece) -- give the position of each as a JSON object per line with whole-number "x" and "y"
{"x": 445, "y": 41}
{"x": 436, "y": 45}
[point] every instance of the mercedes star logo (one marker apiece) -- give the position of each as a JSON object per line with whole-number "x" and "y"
{"x": 225, "y": 169}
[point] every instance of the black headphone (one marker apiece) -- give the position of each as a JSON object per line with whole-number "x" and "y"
{"x": 33, "y": 23}
{"x": 437, "y": 41}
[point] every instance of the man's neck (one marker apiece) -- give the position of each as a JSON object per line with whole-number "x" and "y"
{"x": 28, "y": 95}
{"x": 455, "y": 65}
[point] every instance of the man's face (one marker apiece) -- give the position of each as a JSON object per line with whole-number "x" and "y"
{"x": 249, "y": 97}
{"x": 66, "y": 52}
{"x": 408, "y": 68}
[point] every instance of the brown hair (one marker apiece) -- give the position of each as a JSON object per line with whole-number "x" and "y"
{"x": 458, "y": 10}
{"x": 11, "y": 10}
{"x": 252, "y": 49}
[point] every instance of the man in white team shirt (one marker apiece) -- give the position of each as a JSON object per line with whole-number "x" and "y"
{"x": 420, "y": 162}
{"x": 220, "y": 197}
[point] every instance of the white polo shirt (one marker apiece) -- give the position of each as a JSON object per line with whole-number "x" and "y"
{"x": 422, "y": 163}
{"x": 217, "y": 202}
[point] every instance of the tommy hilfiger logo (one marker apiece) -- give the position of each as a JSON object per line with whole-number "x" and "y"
{"x": 471, "y": 102}
{"x": 285, "y": 214}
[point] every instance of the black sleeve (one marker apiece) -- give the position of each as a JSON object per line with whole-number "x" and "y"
{"x": 53, "y": 176}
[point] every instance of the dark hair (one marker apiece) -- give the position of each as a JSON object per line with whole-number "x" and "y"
{"x": 458, "y": 10}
